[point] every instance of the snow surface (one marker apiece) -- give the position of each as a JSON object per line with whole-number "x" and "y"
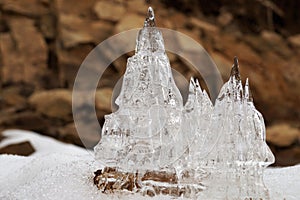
{"x": 63, "y": 171}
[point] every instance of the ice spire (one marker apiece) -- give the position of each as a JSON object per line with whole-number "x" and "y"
{"x": 248, "y": 94}
{"x": 150, "y": 20}
{"x": 242, "y": 133}
{"x": 232, "y": 90}
{"x": 235, "y": 72}
{"x": 142, "y": 133}
{"x": 234, "y": 117}
{"x": 196, "y": 119}
{"x": 189, "y": 106}
{"x": 150, "y": 39}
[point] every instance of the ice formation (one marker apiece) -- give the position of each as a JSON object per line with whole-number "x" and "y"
{"x": 202, "y": 143}
{"x": 144, "y": 132}
{"x": 241, "y": 154}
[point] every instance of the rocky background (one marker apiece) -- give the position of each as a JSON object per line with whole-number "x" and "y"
{"x": 43, "y": 43}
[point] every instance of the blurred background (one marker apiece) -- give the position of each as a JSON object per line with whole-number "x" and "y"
{"x": 43, "y": 43}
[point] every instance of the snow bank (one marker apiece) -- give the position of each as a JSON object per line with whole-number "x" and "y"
{"x": 63, "y": 171}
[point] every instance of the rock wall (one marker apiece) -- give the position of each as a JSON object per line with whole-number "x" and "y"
{"x": 43, "y": 43}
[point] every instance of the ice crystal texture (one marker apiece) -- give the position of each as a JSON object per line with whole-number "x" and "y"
{"x": 222, "y": 146}
{"x": 241, "y": 127}
{"x": 144, "y": 132}
{"x": 237, "y": 161}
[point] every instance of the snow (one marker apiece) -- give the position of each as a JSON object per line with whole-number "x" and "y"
{"x": 64, "y": 171}
{"x": 42, "y": 144}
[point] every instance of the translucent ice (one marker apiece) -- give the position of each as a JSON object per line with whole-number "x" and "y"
{"x": 221, "y": 146}
{"x": 240, "y": 127}
{"x": 237, "y": 162}
{"x": 144, "y": 133}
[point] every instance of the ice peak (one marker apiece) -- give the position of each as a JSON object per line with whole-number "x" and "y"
{"x": 248, "y": 94}
{"x": 150, "y": 19}
{"x": 192, "y": 86}
{"x": 235, "y": 69}
{"x": 150, "y": 38}
{"x": 198, "y": 87}
{"x": 153, "y": 132}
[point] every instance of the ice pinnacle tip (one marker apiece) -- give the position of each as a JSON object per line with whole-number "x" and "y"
{"x": 248, "y": 94}
{"x": 236, "y": 61}
{"x": 235, "y": 69}
{"x": 192, "y": 81}
{"x": 197, "y": 84}
{"x": 192, "y": 85}
{"x": 150, "y": 13}
{"x": 150, "y": 20}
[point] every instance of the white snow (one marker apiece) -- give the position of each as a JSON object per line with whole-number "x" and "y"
{"x": 42, "y": 144}
{"x": 63, "y": 171}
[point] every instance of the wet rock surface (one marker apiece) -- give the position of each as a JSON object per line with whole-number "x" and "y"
{"x": 110, "y": 180}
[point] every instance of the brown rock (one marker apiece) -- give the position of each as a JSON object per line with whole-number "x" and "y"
{"x": 103, "y": 99}
{"x": 160, "y": 177}
{"x": 282, "y": 135}
{"x": 31, "y": 8}
{"x": 9, "y": 62}
{"x": 178, "y": 20}
{"x": 205, "y": 26}
{"x": 225, "y": 43}
{"x": 22, "y": 149}
{"x": 268, "y": 43}
{"x": 224, "y": 65}
{"x": 288, "y": 157}
{"x": 129, "y": 21}
{"x": 137, "y": 6}
{"x": 72, "y": 38}
{"x": 109, "y": 10}
{"x": 225, "y": 18}
{"x": 53, "y": 103}
{"x": 190, "y": 42}
{"x": 69, "y": 134}
{"x": 271, "y": 36}
{"x": 172, "y": 57}
{"x": 78, "y": 36}
{"x": 76, "y": 7}
{"x": 70, "y": 61}
{"x": 23, "y": 60}
{"x": 47, "y": 24}
{"x": 110, "y": 180}
{"x": 27, "y": 120}
{"x": 1, "y": 136}
{"x": 11, "y": 96}
{"x": 100, "y": 30}
{"x": 120, "y": 64}
{"x": 76, "y": 30}
{"x": 85, "y": 130}
{"x": 295, "y": 40}
{"x": 114, "y": 180}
